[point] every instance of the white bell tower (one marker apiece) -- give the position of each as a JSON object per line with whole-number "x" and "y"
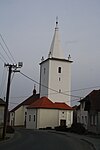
{"x": 55, "y": 73}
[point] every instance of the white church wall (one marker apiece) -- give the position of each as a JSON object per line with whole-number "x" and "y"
{"x": 19, "y": 116}
{"x": 55, "y": 81}
{"x": 31, "y": 119}
{"x": 47, "y": 118}
{"x": 61, "y": 82}
{"x": 42, "y": 118}
{"x": 44, "y": 75}
{"x": 66, "y": 115}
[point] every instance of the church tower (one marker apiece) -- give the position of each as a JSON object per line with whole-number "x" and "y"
{"x": 55, "y": 73}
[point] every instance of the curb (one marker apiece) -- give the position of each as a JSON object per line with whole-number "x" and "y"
{"x": 91, "y": 144}
{"x": 85, "y": 140}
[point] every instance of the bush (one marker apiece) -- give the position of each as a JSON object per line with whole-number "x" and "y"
{"x": 10, "y": 129}
{"x": 48, "y": 128}
{"x": 78, "y": 128}
{"x": 61, "y": 128}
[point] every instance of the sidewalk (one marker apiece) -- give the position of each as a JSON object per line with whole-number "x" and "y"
{"x": 94, "y": 141}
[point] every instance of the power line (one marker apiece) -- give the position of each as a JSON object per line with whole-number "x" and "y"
{"x": 6, "y": 52}
{"x": 84, "y": 88}
{"x": 3, "y": 58}
{"x": 49, "y": 88}
{"x": 7, "y": 48}
{"x": 3, "y": 82}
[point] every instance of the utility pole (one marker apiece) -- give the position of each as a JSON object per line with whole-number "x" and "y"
{"x": 12, "y": 68}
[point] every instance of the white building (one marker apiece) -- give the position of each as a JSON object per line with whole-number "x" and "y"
{"x": 55, "y": 73}
{"x": 44, "y": 113}
{"x": 89, "y": 112}
{"x": 55, "y": 84}
{"x": 82, "y": 114}
{"x": 19, "y": 113}
{"x": 2, "y": 107}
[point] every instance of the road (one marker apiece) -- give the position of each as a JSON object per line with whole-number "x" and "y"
{"x": 43, "y": 140}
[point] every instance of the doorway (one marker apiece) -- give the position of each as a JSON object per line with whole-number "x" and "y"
{"x": 62, "y": 123}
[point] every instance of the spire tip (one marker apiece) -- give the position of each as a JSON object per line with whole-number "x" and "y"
{"x": 57, "y": 22}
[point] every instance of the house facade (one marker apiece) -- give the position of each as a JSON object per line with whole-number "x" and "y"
{"x": 2, "y": 107}
{"x": 19, "y": 113}
{"x": 44, "y": 113}
{"x": 90, "y": 107}
{"x": 82, "y": 114}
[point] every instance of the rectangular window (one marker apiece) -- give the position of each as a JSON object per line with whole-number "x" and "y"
{"x": 82, "y": 119}
{"x": 59, "y": 79}
{"x": 59, "y": 90}
{"x": 59, "y": 69}
{"x": 29, "y": 117}
{"x": 86, "y": 119}
{"x": 34, "y": 118}
{"x": 44, "y": 70}
{"x": 91, "y": 119}
{"x": 95, "y": 120}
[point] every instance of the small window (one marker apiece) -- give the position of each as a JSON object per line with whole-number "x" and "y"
{"x": 59, "y": 79}
{"x": 95, "y": 120}
{"x": 59, "y": 69}
{"x": 59, "y": 90}
{"x": 25, "y": 113}
{"x": 29, "y": 117}
{"x": 34, "y": 118}
{"x": 91, "y": 119}
{"x": 86, "y": 119}
{"x": 82, "y": 119}
{"x": 44, "y": 70}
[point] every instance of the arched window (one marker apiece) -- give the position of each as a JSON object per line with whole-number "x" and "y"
{"x": 59, "y": 69}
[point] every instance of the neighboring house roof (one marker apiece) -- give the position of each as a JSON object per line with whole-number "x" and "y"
{"x": 28, "y": 101}
{"x": 92, "y": 100}
{"x": 2, "y": 102}
{"x": 76, "y": 107}
{"x": 44, "y": 102}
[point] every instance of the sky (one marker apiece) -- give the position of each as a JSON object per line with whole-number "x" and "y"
{"x": 27, "y": 27}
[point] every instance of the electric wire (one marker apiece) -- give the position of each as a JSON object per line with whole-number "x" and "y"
{"x": 84, "y": 88}
{"x": 49, "y": 88}
{"x": 6, "y": 52}
{"x": 7, "y": 48}
{"x": 3, "y": 83}
{"x": 3, "y": 58}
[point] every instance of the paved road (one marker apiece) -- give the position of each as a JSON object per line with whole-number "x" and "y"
{"x": 43, "y": 140}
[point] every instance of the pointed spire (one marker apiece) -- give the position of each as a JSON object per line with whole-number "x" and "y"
{"x": 55, "y": 49}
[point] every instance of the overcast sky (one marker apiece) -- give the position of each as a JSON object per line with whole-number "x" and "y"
{"x": 27, "y": 26}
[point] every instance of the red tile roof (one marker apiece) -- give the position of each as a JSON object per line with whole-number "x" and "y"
{"x": 62, "y": 106}
{"x": 44, "y": 102}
